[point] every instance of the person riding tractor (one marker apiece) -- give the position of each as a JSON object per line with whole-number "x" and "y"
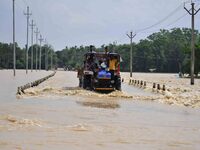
{"x": 101, "y": 71}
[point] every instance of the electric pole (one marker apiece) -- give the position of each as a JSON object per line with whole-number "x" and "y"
{"x": 114, "y": 45}
{"x": 52, "y": 59}
{"x": 192, "y": 12}
{"x": 46, "y": 56}
{"x": 36, "y": 50}
{"x": 27, "y": 14}
{"x": 131, "y": 36}
{"x": 40, "y": 57}
{"x": 32, "y": 26}
{"x": 14, "y": 52}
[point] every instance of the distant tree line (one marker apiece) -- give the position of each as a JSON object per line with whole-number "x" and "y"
{"x": 6, "y": 56}
{"x": 166, "y": 51}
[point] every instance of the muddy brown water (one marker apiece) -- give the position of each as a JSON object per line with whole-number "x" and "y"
{"x": 90, "y": 121}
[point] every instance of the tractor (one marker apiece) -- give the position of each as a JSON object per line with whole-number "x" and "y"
{"x": 101, "y": 71}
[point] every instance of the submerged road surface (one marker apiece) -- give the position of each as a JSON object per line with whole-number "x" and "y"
{"x": 58, "y": 115}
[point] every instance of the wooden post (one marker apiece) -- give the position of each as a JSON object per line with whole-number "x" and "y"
{"x": 145, "y": 83}
{"x": 141, "y": 83}
{"x": 154, "y": 85}
{"x": 158, "y": 86}
{"x": 164, "y": 88}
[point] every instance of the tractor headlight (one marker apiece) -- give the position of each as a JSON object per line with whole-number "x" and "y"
{"x": 112, "y": 81}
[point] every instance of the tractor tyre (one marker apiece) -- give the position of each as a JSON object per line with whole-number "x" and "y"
{"x": 118, "y": 84}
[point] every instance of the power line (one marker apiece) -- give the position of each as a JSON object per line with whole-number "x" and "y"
{"x": 176, "y": 20}
{"x": 162, "y": 20}
{"x": 171, "y": 23}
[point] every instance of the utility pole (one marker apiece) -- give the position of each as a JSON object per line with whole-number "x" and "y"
{"x": 114, "y": 46}
{"x": 36, "y": 50}
{"x": 52, "y": 59}
{"x": 40, "y": 57}
{"x": 27, "y": 14}
{"x": 46, "y": 56}
{"x": 192, "y": 12}
{"x": 131, "y": 36}
{"x": 14, "y": 52}
{"x": 32, "y": 26}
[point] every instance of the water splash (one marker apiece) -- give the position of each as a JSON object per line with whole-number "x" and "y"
{"x": 21, "y": 122}
{"x": 72, "y": 91}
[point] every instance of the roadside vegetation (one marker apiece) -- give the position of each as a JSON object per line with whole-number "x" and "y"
{"x": 166, "y": 51}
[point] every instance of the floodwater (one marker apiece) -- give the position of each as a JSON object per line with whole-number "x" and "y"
{"x": 65, "y": 117}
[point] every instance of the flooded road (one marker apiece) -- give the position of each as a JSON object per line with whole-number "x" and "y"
{"x": 58, "y": 115}
{"x": 9, "y": 83}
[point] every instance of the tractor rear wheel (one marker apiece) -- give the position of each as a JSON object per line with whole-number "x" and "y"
{"x": 87, "y": 82}
{"x": 118, "y": 83}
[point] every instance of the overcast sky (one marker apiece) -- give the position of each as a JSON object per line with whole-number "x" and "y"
{"x": 84, "y": 22}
